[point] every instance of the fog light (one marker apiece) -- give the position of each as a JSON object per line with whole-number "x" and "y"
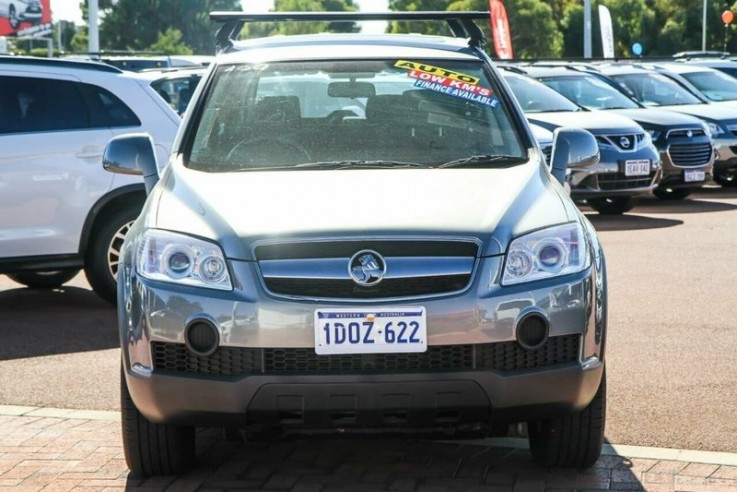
{"x": 532, "y": 331}
{"x": 201, "y": 337}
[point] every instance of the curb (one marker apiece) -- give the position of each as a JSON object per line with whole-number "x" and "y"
{"x": 642, "y": 452}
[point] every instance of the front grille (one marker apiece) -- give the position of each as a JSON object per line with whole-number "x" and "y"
{"x": 344, "y": 289}
{"x": 234, "y": 361}
{"x": 333, "y": 269}
{"x": 690, "y": 155}
{"x": 618, "y": 181}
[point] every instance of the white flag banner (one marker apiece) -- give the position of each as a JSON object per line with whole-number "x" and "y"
{"x": 607, "y": 33}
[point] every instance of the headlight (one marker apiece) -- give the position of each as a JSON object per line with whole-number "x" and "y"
{"x": 548, "y": 253}
{"x": 714, "y": 129}
{"x": 654, "y": 134}
{"x": 180, "y": 259}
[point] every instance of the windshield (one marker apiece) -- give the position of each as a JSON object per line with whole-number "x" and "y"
{"x": 352, "y": 113}
{"x": 653, "y": 89}
{"x": 590, "y": 92}
{"x": 716, "y": 86}
{"x": 536, "y": 97}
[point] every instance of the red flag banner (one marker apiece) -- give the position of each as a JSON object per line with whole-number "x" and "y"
{"x": 500, "y": 30}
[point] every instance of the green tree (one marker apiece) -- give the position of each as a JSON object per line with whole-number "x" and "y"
{"x": 433, "y": 28}
{"x": 262, "y": 29}
{"x": 533, "y": 30}
{"x": 139, "y": 24}
{"x": 170, "y": 42}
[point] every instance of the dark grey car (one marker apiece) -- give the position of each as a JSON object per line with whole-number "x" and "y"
{"x": 404, "y": 262}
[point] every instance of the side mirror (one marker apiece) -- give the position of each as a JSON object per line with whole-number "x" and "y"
{"x": 132, "y": 153}
{"x": 572, "y": 147}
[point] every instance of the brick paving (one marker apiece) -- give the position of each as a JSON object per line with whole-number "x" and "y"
{"x": 39, "y": 452}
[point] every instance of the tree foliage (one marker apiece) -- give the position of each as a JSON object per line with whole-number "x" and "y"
{"x": 531, "y": 24}
{"x": 257, "y": 30}
{"x": 141, "y": 24}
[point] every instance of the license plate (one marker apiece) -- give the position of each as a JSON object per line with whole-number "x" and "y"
{"x": 692, "y": 175}
{"x": 370, "y": 331}
{"x": 637, "y": 167}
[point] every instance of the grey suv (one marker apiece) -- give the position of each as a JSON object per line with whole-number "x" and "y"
{"x": 403, "y": 262}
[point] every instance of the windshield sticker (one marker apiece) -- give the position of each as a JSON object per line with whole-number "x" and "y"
{"x": 443, "y": 72}
{"x": 456, "y": 84}
{"x": 491, "y": 102}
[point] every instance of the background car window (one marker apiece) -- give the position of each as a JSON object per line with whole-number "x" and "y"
{"x": 177, "y": 92}
{"x": 656, "y": 90}
{"x": 106, "y": 110}
{"x": 535, "y": 97}
{"x": 717, "y": 86}
{"x": 590, "y": 92}
{"x": 40, "y": 105}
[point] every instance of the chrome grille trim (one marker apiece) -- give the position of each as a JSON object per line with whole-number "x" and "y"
{"x": 635, "y": 140}
{"x": 681, "y": 133}
{"x": 337, "y": 268}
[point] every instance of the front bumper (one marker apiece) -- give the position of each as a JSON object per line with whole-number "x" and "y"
{"x": 249, "y": 318}
{"x": 472, "y": 399}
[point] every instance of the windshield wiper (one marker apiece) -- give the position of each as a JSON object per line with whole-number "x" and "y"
{"x": 483, "y": 160}
{"x": 358, "y": 164}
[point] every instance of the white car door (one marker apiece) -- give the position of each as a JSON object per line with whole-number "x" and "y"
{"x": 50, "y": 171}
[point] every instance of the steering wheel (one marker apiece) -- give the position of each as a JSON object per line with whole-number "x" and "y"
{"x": 260, "y": 151}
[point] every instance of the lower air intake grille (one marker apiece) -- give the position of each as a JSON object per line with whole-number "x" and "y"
{"x": 619, "y": 181}
{"x": 233, "y": 361}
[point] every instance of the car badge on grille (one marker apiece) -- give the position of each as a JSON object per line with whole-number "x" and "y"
{"x": 367, "y": 268}
{"x": 625, "y": 142}
{"x": 689, "y": 133}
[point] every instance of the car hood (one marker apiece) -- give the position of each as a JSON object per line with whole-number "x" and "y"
{"x": 593, "y": 121}
{"x": 659, "y": 118}
{"x": 239, "y": 209}
{"x": 710, "y": 112}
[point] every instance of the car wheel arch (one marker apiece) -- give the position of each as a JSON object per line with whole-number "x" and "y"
{"x": 123, "y": 196}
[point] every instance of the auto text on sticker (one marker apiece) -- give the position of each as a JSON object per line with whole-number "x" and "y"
{"x": 444, "y": 72}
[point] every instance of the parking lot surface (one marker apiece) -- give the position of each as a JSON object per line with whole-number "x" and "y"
{"x": 51, "y": 449}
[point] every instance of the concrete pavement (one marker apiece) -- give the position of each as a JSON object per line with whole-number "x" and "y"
{"x": 57, "y": 450}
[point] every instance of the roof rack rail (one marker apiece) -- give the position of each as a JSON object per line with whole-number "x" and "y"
{"x": 56, "y": 62}
{"x": 461, "y": 24}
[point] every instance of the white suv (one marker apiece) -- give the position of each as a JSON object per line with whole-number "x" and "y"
{"x": 59, "y": 211}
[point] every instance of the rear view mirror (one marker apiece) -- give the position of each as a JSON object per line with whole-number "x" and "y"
{"x": 351, "y": 89}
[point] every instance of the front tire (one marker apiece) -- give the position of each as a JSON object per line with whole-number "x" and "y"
{"x": 44, "y": 280}
{"x": 103, "y": 252}
{"x": 153, "y": 449}
{"x": 613, "y": 205}
{"x": 571, "y": 441}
